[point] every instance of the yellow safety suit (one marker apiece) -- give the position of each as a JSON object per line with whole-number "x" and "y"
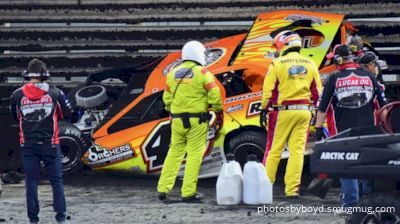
{"x": 197, "y": 90}
{"x": 292, "y": 81}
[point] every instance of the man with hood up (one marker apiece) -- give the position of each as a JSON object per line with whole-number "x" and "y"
{"x": 38, "y": 107}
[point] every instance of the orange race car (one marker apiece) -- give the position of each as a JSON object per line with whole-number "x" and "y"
{"x": 134, "y": 133}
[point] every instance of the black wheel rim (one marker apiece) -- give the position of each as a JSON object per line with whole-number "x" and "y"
{"x": 70, "y": 153}
{"x": 245, "y": 149}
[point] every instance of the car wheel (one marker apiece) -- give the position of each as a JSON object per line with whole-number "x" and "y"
{"x": 73, "y": 146}
{"x": 246, "y": 143}
{"x": 377, "y": 201}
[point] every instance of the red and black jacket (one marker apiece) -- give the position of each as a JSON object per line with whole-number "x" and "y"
{"x": 350, "y": 93}
{"x": 38, "y": 108}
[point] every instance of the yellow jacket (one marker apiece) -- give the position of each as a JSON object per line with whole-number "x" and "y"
{"x": 195, "y": 92}
{"x": 291, "y": 79}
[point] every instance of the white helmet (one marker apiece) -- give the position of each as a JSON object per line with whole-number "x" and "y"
{"x": 194, "y": 51}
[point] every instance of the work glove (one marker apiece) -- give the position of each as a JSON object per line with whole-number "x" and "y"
{"x": 263, "y": 118}
{"x": 220, "y": 120}
{"x": 319, "y": 134}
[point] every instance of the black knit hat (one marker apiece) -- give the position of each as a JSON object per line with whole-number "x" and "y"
{"x": 368, "y": 57}
{"x": 343, "y": 51}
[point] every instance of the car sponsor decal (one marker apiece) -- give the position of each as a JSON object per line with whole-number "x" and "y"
{"x": 298, "y": 17}
{"x": 343, "y": 156}
{"x": 243, "y": 97}
{"x": 234, "y": 108}
{"x": 394, "y": 162}
{"x": 101, "y": 156}
{"x": 254, "y": 108}
{"x": 171, "y": 66}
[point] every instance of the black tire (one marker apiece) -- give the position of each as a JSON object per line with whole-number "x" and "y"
{"x": 377, "y": 201}
{"x": 73, "y": 146}
{"x": 246, "y": 143}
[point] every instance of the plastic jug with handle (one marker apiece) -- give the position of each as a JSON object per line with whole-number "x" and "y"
{"x": 257, "y": 189}
{"x": 230, "y": 182}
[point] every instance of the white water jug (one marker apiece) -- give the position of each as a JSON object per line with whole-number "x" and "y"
{"x": 257, "y": 189}
{"x": 230, "y": 182}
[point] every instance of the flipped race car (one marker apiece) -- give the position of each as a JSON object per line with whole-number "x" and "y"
{"x": 134, "y": 133}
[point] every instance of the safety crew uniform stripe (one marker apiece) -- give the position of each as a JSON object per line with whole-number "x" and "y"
{"x": 210, "y": 86}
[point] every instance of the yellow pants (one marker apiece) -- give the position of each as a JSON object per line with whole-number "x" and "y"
{"x": 291, "y": 127}
{"x": 191, "y": 141}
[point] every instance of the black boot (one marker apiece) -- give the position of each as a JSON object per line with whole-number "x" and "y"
{"x": 162, "y": 196}
{"x": 193, "y": 199}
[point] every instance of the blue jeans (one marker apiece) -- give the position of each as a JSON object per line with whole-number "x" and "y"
{"x": 351, "y": 191}
{"x": 51, "y": 157}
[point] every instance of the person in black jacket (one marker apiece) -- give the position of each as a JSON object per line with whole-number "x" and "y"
{"x": 37, "y": 107}
{"x": 350, "y": 92}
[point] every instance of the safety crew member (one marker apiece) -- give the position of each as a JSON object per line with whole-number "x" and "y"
{"x": 350, "y": 93}
{"x": 190, "y": 89}
{"x": 292, "y": 81}
{"x": 38, "y": 107}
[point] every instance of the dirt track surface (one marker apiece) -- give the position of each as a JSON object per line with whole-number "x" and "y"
{"x": 116, "y": 198}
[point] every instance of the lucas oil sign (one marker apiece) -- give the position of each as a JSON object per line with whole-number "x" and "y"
{"x": 100, "y": 156}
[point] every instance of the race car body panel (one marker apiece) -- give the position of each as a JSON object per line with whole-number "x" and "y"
{"x": 317, "y": 31}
